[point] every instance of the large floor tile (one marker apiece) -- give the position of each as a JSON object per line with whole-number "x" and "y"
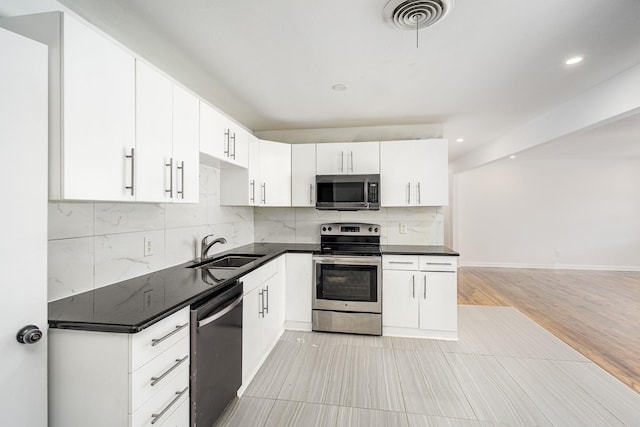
{"x": 246, "y": 412}
{"x": 371, "y": 380}
{"x": 300, "y": 414}
{"x": 614, "y": 395}
{"x": 420, "y": 420}
{"x": 316, "y": 375}
{"x": 492, "y": 392}
{"x": 357, "y": 417}
{"x": 552, "y": 390}
{"x": 429, "y": 385}
{"x": 273, "y": 373}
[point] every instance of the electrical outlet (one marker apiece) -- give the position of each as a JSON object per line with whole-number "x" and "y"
{"x": 403, "y": 228}
{"x": 148, "y": 247}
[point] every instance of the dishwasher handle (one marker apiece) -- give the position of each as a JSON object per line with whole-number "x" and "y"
{"x": 218, "y": 314}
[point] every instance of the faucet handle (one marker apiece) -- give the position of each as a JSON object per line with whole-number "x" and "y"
{"x": 204, "y": 239}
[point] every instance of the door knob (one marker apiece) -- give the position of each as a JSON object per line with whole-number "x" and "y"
{"x": 30, "y": 334}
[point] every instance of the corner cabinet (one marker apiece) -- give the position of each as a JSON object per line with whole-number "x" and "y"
{"x": 267, "y": 180}
{"x": 348, "y": 158}
{"x": 167, "y": 139}
{"x": 262, "y": 315}
{"x": 114, "y": 379}
{"x": 91, "y": 108}
{"x": 419, "y": 296}
{"x": 414, "y": 173}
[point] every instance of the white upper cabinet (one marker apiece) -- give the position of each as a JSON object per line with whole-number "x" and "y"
{"x": 91, "y": 108}
{"x": 348, "y": 158}
{"x": 221, "y": 139}
{"x": 303, "y": 174}
{"x": 267, "y": 180}
{"x": 414, "y": 173}
{"x": 167, "y": 135}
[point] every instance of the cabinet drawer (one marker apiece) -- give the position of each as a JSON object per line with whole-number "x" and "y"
{"x": 153, "y": 375}
{"x": 400, "y": 262}
{"x": 149, "y": 343}
{"x": 438, "y": 263}
{"x": 165, "y": 401}
{"x": 180, "y": 417}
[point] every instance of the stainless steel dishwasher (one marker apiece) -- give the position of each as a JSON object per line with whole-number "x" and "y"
{"x": 216, "y": 354}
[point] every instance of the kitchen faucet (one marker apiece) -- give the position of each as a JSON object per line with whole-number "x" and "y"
{"x": 204, "y": 247}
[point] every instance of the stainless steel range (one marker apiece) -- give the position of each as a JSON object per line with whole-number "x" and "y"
{"x": 348, "y": 279}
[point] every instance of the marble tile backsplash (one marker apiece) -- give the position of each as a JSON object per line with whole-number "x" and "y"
{"x": 302, "y": 225}
{"x": 96, "y": 244}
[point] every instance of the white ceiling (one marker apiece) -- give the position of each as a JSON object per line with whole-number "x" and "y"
{"x": 486, "y": 69}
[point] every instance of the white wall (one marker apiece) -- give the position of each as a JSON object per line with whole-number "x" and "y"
{"x": 97, "y": 244}
{"x": 555, "y": 213}
{"x": 302, "y": 225}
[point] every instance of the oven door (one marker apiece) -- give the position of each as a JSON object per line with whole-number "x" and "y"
{"x": 347, "y": 283}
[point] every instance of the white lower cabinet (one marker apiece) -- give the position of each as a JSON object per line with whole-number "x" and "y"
{"x": 262, "y": 315}
{"x": 112, "y": 379}
{"x": 299, "y": 286}
{"x": 419, "y": 296}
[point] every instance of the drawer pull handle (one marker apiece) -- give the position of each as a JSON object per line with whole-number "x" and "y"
{"x": 400, "y": 262}
{"x": 156, "y": 417}
{"x": 439, "y": 263}
{"x": 156, "y": 380}
{"x": 156, "y": 341}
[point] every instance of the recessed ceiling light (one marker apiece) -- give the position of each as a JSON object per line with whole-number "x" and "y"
{"x": 460, "y": 140}
{"x": 512, "y": 156}
{"x": 574, "y": 60}
{"x": 339, "y": 87}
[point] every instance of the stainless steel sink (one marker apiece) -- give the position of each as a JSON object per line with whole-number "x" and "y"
{"x": 230, "y": 261}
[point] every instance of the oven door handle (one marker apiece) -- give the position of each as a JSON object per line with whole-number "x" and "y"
{"x": 217, "y": 315}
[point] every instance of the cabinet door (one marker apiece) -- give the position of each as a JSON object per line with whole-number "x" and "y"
{"x": 303, "y": 174}
{"x": 275, "y": 174}
{"x": 299, "y": 287}
{"x": 432, "y": 173}
{"x": 186, "y": 146}
{"x": 212, "y": 140}
{"x": 438, "y": 301}
{"x": 99, "y": 116}
{"x": 154, "y": 106}
{"x": 397, "y": 173}
{"x": 252, "y": 333}
{"x": 400, "y": 298}
{"x": 363, "y": 157}
{"x": 330, "y": 159}
{"x": 238, "y": 146}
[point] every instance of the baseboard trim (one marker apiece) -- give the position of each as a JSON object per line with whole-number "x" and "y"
{"x": 549, "y": 266}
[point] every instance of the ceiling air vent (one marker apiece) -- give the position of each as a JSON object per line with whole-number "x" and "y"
{"x": 416, "y": 14}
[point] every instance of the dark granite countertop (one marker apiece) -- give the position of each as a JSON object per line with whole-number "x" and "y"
{"x": 132, "y": 305}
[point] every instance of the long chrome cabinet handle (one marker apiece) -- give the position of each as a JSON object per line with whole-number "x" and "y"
{"x": 439, "y": 263}
{"x": 264, "y": 193}
{"x": 342, "y": 161}
{"x": 156, "y": 417}
{"x": 156, "y": 341}
{"x": 261, "y": 309}
{"x": 226, "y": 140}
{"x": 181, "y": 191}
{"x": 310, "y": 194}
{"x": 133, "y": 166}
{"x": 425, "y": 287}
{"x": 409, "y": 193}
{"x": 252, "y": 185}
{"x": 156, "y": 380}
{"x": 170, "y": 166}
{"x": 266, "y": 306}
{"x": 419, "y": 198}
{"x": 414, "y": 285}
{"x": 351, "y": 161}
{"x": 400, "y": 262}
{"x": 233, "y": 155}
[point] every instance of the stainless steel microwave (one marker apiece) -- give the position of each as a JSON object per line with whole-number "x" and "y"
{"x": 348, "y": 192}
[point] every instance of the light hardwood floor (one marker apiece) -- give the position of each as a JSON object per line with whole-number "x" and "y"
{"x": 595, "y": 312}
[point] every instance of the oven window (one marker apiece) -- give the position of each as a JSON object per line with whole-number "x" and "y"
{"x": 341, "y": 282}
{"x": 340, "y": 192}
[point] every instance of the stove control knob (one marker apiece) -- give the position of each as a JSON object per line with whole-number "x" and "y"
{"x": 324, "y": 228}
{"x": 376, "y": 229}
{"x": 370, "y": 229}
{"x": 329, "y": 228}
